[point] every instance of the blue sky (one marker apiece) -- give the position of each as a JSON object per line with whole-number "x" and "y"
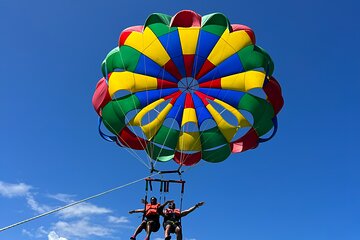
{"x": 303, "y": 184}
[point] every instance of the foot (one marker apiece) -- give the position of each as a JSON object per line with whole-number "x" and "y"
{"x": 132, "y": 238}
{"x": 168, "y": 238}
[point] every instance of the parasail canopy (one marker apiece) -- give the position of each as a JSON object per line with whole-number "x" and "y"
{"x": 187, "y": 88}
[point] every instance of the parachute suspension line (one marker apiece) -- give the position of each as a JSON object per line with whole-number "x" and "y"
{"x": 207, "y": 124}
{"x": 178, "y": 171}
{"x": 181, "y": 197}
{"x": 164, "y": 188}
{"x": 150, "y": 149}
{"x": 131, "y": 151}
{"x": 147, "y": 185}
{"x": 132, "y": 128}
{"x": 115, "y": 138}
{"x": 162, "y": 146}
{"x": 161, "y": 191}
{"x": 183, "y": 160}
{"x": 162, "y": 77}
{"x": 76, "y": 203}
{"x": 195, "y": 61}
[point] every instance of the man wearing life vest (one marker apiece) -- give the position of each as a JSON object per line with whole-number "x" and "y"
{"x": 151, "y": 222}
{"x": 172, "y": 217}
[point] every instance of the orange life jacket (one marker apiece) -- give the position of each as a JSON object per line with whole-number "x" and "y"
{"x": 173, "y": 212}
{"x": 151, "y": 209}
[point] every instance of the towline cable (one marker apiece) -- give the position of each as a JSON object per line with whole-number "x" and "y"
{"x": 75, "y": 203}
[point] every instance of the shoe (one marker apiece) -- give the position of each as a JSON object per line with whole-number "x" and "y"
{"x": 132, "y": 238}
{"x": 168, "y": 238}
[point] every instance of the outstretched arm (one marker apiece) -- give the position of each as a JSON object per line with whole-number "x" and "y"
{"x": 186, "y": 212}
{"x": 136, "y": 211}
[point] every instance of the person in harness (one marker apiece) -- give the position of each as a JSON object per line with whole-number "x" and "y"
{"x": 172, "y": 219}
{"x": 151, "y": 220}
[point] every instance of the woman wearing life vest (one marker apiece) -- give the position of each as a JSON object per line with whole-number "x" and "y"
{"x": 151, "y": 222}
{"x": 172, "y": 218}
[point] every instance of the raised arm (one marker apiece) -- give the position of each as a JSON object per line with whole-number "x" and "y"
{"x": 161, "y": 208}
{"x": 186, "y": 212}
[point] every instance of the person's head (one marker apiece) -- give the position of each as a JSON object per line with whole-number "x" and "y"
{"x": 153, "y": 200}
{"x": 171, "y": 205}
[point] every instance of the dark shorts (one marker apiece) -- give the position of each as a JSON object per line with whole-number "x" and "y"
{"x": 155, "y": 225}
{"x": 173, "y": 225}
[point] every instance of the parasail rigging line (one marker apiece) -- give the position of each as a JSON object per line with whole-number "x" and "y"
{"x": 163, "y": 74}
{"x": 76, "y": 203}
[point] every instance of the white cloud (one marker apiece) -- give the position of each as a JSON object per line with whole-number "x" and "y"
{"x": 34, "y": 205}
{"x": 113, "y": 219}
{"x": 66, "y": 198}
{"x": 53, "y": 236}
{"x": 14, "y": 189}
{"x": 82, "y": 229}
{"x": 27, "y": 233}
{"x": 38, "y": 233}
{"x": 83, "y": 210}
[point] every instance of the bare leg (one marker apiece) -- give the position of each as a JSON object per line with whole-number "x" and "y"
{"x": 178, "y": 232}
{"x": 167, "y": 231}
{"x": 139, "y": 228}
{"x": 148, "y": 230}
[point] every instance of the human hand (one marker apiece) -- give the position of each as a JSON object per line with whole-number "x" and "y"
{"x": 199, "y": 204}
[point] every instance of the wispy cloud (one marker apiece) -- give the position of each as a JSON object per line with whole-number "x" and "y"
{"x": 76, "y": 222}
{"x": 54, "y": 236}
{"x": 62, "y": 197}
{"x": 83, "y": 210}
{"x": 14, "y": 189}
{"x": 40, "y": 232}
{"x": 82, "y": 229}
{"x": 113, "y": 219}
{"x": 35, "y": 206}
{"x": 27, "y": 233}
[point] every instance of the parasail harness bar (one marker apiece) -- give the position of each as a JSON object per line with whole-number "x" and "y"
{"x": 164, "y": 188}
{"x": 154, "y": 170}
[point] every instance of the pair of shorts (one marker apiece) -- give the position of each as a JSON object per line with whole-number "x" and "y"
{"x": 173, "y": 225}
{"x": 155, "y": 225}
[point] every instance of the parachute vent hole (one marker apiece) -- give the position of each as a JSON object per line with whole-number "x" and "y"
{"x": 188, "y": 84}
{"x": 121, "y": 94}
{"x": 268, "y": 134}
{"x": 248, "y": 116}
{"x": 190, "y": 127}
{"x": 119, "y": 70}
{"x": 153, "y": 113}
{"x": 130, "y": 115}
{"x": 258, "y": 92}
{"x": 171, "y": 123}
{"x": 137, "y": 131}
{"x": 208, "y": 124}
{"x": 240, "y": 133}
{"x": 226, "y": 114}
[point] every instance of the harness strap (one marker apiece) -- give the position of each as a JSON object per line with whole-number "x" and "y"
{"x": 146, "y": 197}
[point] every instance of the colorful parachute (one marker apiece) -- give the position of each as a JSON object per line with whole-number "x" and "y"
{"x": 188, "y": 88}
